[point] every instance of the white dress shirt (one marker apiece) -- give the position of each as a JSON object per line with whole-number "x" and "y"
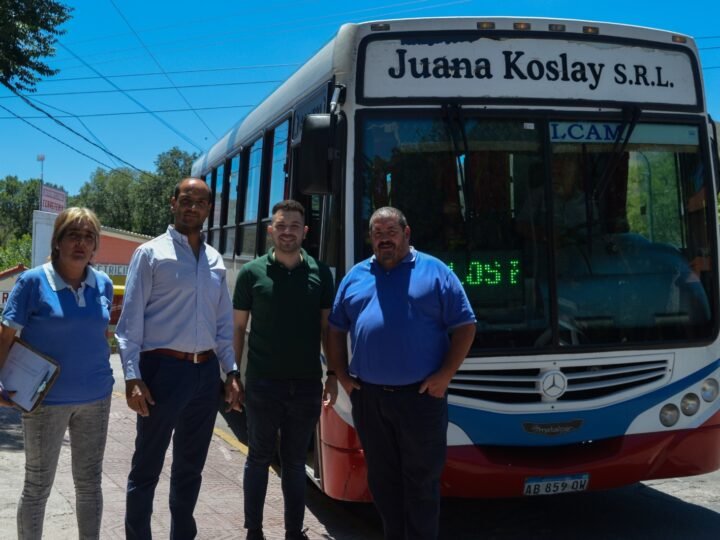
{"x": 174, "y": 300}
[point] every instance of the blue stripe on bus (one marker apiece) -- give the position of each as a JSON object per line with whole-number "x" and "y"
{"x": 492, "y": 428}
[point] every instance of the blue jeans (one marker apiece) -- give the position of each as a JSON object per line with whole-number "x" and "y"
{"x": 404, "y": 436}
{"x": 186, "y": 398}
{"x": 292, "y": 408}
{"x": 44, "y": 431}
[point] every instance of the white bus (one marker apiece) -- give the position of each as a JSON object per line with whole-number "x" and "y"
{"x": 567, "y": 172}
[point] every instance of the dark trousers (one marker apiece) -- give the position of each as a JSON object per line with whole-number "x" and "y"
{"x": 289, "y": 408}
{"x": 404, "y": 436}
{"x": 186, "y": 397}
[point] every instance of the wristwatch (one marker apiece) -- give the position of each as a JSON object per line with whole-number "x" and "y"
{"x": 331, "y": 372}
{"x": 233, "y": 373}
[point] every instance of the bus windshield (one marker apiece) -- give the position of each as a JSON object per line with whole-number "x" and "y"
{"x": 563, "y": 233}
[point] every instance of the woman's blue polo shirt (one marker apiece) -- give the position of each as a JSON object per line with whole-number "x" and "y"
{"x": 399, "y": 319}
{"x": 69, "y": 327}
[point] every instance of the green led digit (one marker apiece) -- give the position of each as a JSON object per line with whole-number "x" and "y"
{"x": 492, "y": 273}
{"x": 514, "y": 271}
{"x": 474, "y": 276}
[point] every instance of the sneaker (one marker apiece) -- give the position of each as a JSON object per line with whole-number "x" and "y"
{"x": 296, "y": 535}
{"x": 255, "y": 534}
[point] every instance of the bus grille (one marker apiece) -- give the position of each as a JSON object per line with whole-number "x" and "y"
{"x": 585, "y": 381}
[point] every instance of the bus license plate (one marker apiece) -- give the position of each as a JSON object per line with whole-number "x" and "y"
{"x": 551, "y": 485}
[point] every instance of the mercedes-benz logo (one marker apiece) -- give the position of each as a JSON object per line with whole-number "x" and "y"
{"x": 553, "y": 384}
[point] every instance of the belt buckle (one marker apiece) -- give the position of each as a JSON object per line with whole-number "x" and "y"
{"x": 195, "y": 358}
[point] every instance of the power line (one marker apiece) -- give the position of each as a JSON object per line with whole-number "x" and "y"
{"x": 138, "y": 103}
{"x": 179, "y": 72}
{"x": 130, "y": 113}
{"x": 152, "y": 88}
{"x": 157, "y": 63}
{"x": 61, "y": 141}
{"x": 194, "y": 21}
{"x": 235, "y": 28}
{"x": 60, "y": 123}
{"x": 67, "y": 114}
{"x": 201, "y": 41}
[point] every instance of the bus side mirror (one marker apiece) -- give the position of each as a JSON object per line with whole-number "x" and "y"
{"x": 317, "y": 152}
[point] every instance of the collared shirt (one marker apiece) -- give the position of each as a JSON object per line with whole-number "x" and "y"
{"x": 174, "y": 300}
{"x": 58, "y": 283}
{"x": 399, "y": 319}
{"x": 68, "y": 326}
{"x": 285, "y": 306}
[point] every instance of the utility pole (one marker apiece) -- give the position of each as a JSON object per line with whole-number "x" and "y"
{"x": 41, "y": 159}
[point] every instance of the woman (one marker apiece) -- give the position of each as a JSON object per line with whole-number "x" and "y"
{"x": 63, "y": 309}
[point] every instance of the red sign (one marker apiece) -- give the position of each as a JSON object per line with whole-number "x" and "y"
{"x": 53, "y": 200}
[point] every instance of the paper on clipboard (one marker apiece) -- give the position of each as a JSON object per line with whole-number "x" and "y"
{"x": 29, "y": 374}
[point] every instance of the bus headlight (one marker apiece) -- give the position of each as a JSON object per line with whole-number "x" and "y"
{"x": 690, "y": 404}
{"x": 669, "y": 415}
{"x": 709, "y": 390}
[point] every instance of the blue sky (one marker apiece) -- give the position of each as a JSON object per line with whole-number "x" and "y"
{"x": 224, "y": 57}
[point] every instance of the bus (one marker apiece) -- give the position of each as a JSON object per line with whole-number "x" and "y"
{"x": 567, "y": 172}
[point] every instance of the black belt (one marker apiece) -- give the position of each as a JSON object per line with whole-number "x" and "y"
{"x": 195, "y": 358}
{"x": 414, "y": 387}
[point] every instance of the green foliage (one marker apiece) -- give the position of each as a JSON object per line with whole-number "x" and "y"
{"x": 150, "y": 197}
{"x": 17, "y": 201}
{"x": 653, "y": 208}
{"x": 28, "y": 32}
{"x": 121, "y": 198}
{"x": 16, "y": 251}
{"x": 108, "y": 195}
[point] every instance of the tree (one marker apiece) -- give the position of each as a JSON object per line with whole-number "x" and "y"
{"x": 150, "y": 196}
{"x": 28, "y": 32}
{"x": 16, "y": 251}
{"x": 18, "y": 200}
{"x": 175, "y": 164}
{"x": 108, "y": 195}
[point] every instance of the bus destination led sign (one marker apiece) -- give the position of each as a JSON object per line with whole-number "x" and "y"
{"x": 488, "y": 277}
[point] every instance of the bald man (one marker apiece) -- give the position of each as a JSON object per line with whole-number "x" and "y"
{"x": 175, "y": 334}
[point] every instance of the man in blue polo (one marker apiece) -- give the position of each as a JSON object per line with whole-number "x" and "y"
{"x": 411, "y": 326}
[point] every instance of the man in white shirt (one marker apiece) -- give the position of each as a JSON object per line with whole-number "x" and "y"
{"x": 174, "y": 334}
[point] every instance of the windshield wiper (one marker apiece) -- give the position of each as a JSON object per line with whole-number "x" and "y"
{"x": 452, "y": 116}
{"x": 631, "y": 116}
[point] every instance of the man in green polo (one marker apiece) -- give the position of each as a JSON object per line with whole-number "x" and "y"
{"x": 288, "y": 295}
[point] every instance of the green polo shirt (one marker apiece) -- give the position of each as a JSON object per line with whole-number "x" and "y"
{"x": 284, "y": 308}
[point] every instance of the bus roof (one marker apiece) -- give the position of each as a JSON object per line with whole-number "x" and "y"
{"x": 334, "y": 60}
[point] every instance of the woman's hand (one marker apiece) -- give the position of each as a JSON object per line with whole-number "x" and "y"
{"x": 5, "y": 400}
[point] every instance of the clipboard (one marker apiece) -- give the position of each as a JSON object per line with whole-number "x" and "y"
{"x": 29, "y": 373}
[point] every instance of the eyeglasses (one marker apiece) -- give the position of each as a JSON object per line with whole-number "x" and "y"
{"x": 78, "y": 236}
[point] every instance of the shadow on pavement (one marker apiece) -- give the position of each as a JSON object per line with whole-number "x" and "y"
{"x": 235, "y": 421}
{"x": 344, "y": 520}
{"x": 636, "y": 511}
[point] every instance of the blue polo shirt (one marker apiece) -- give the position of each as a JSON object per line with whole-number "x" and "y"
{"x": 68, "y": 326}
{"x": 399, "y": 319}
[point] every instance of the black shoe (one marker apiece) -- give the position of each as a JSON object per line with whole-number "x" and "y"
{"x": 255, "y": 534}
{"x": 296, "y": 535}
